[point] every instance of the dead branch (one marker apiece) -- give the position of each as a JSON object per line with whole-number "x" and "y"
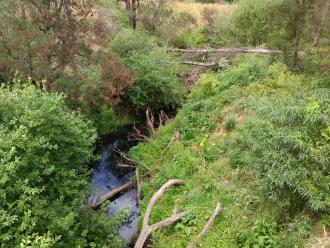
{"x": 125, "y": 166}
{"x": 204, "y": 64}
{"x": 124, "y": 156}
{"x": 146, "y": 228}
{"x": 108, "y": 196}
{"x": 163, "y": 118}
{"x": 137, "y": 135}
{"x": 138, "y": 186}
{"x": 150, "y": 121}
{"x": 207, "y": 226}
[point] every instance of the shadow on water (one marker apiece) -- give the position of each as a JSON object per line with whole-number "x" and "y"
{"x": 107, "y": 176}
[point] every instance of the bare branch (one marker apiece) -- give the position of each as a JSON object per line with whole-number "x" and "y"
{"x": 146, "y": 229}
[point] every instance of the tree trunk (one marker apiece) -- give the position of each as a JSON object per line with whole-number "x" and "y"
{"x": 321, "y": 25}
{"x": 298, "y": 27}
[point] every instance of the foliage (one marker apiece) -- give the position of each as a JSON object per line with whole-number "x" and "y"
{"x": 287, "y": 146}
{"x": 262, "y": 235}
{"x": 247, "y": 70}
{"x": 43, "y": 146}
{"x": 128, "y": 42}
{"x": 109, "y": 121}
{"x": 41, "y": 39}
{"x": 192, "y": 38}
{"x": 208, "y": 145}
{"x": 287, "y": 25}
{"x": 230, "y": 123}
{"x": 156, "y": 84}
{"x": 154, "y": 13}
{"x": 178, "y": 27}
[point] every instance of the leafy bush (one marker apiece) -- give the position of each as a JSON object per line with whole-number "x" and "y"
{"x": 43, "y": 146}
{"x": 172, "y": 32}
{"x": 157, "y": 86}
{"x": 287, "y": 146}
{"x": 154, "y": 13}
{"x": 109, "y": 121}
{"x": 156, "y": 83}
{"x": 246, "y": 69}
{"x": 222, "y": 32}
{"x": 128, "y": 41}
{"x": 192, "y": 37}
{"x": 262, "y": 234}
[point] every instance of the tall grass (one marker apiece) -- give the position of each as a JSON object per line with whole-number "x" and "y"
{"x": 196, "y": 9}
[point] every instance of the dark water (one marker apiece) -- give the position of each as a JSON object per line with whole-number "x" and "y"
{"x": 107, "y": 176}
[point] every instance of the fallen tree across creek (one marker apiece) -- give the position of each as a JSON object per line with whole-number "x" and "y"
{"x": 108, "y": 196}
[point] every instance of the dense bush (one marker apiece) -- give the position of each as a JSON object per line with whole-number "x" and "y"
{"x": 128, "y": 41}
{"x": 157, "y": 86}
{"x": 43, "y": 146}
{"x": 154, "y": 13}
{"x": 181, "y": 31}
{"x": 287, "y": 146}
{"x": 156, "y": 83}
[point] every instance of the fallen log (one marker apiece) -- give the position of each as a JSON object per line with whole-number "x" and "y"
{"x": 148, "y": 229}
{"x": 108, "y": 196}
{"x": 227, "y": 50}
{"x": 207, "y": 226}
{"x": 204, "y": 64}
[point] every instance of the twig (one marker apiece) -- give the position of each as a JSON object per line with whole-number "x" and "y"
{"x": 130, "y": 159}
{"x": 207, "y": 226}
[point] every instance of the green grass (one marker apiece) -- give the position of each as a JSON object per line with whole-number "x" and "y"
{"x": 216, "y": 109}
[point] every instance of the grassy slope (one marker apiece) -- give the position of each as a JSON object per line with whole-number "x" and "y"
{"x": 200, "y": 157}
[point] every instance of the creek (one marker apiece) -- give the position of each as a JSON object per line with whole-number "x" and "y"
{"x": 106, "y": 176}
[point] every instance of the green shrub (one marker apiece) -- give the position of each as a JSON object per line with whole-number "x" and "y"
{"x": 262, "y": 234}
{"x": 157, "y": 86}
{"x": 247, "y": 69}
{"x": 129, "y": 41}
{"x": 223, "y": 32}
{"x": 178, "y": 26}
{"x": 109, "y": 121}
{"x": 43, "y": 146}
{"x": 288, "y": 147}
{"x": 192, "y": 38}
{"x": 207, "y": 85}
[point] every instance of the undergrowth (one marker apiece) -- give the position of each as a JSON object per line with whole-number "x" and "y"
{"x": 251, "y": 142}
